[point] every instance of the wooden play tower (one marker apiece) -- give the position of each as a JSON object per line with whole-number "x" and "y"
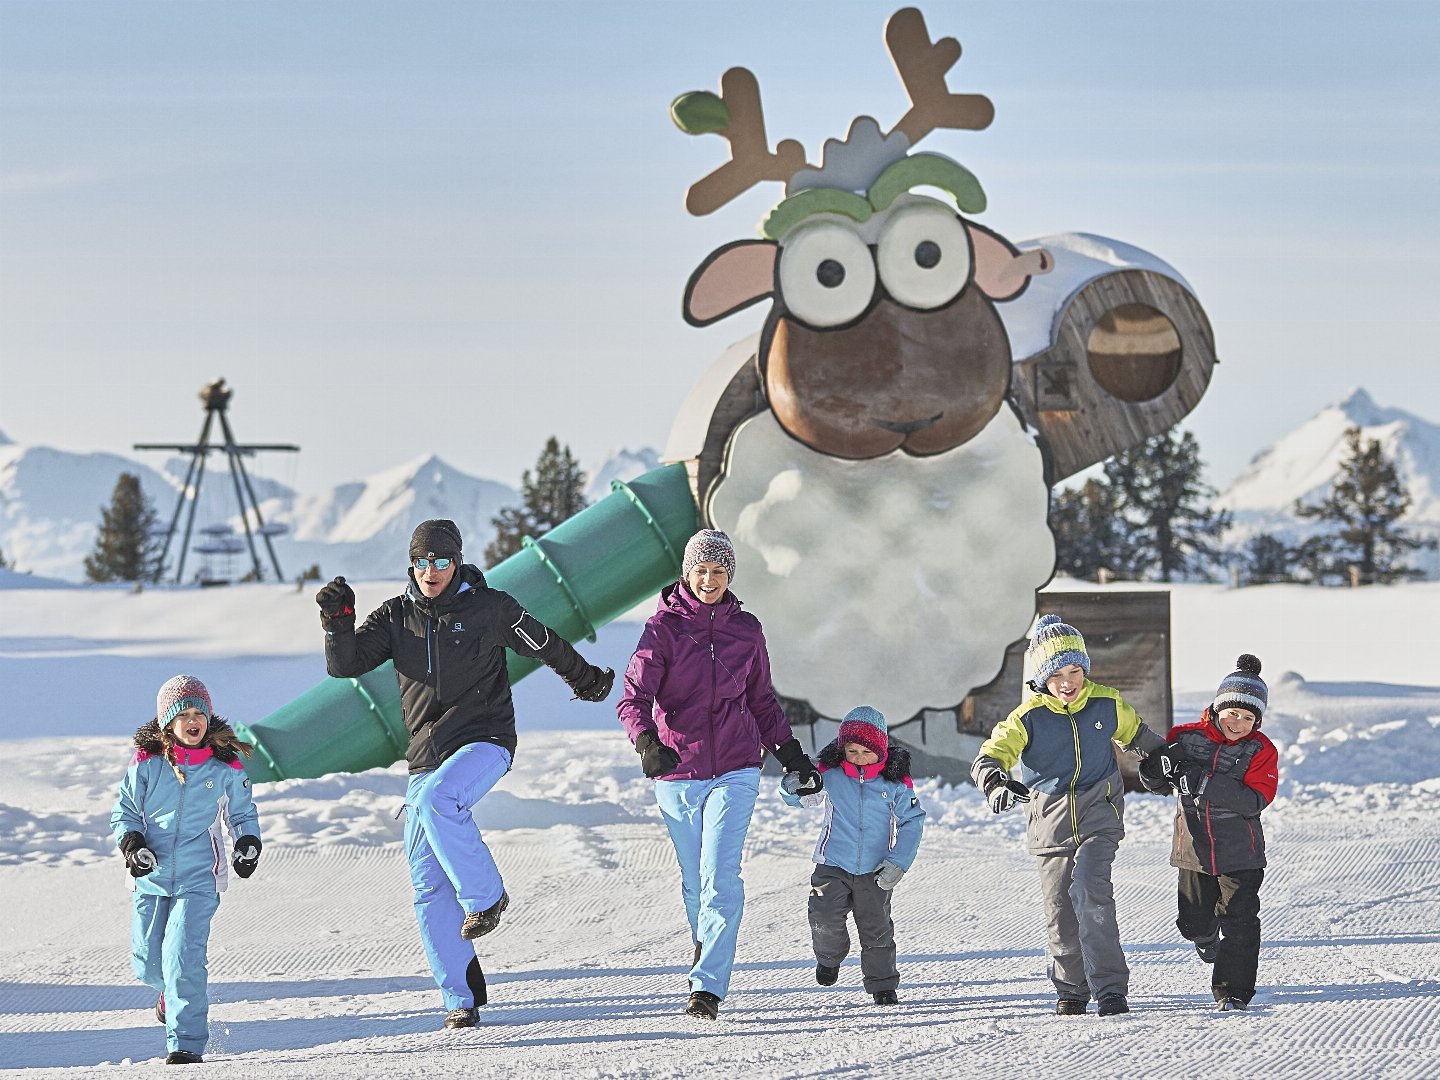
{"x": 216, "y": 398}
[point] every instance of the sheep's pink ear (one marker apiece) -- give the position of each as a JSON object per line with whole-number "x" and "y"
{"x": 731, "y": 278}
{"x": 1001, "y": 271}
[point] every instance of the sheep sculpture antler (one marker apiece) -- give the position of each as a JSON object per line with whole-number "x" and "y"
{"x": 736, "y": 114}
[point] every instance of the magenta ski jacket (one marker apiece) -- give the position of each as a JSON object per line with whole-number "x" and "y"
{"x": 700, "y": 680}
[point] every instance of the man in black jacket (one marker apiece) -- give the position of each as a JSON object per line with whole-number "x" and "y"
{"x": 447, "y": 635}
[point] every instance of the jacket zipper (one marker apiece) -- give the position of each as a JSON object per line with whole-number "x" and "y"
{"x": 860, "y": 849}
{"x": 1209, "y": 824}
{"x": 179, "y": 821}
{"x": 713, "y": 661}
{"x": 1075, "y": 779}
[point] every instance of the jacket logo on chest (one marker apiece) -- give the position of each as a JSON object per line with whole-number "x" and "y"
{"x": 457, "y": 628}
{"x": 1098, "y": 725}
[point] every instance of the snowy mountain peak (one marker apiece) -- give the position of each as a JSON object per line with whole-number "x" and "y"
{"x": 1303, "y": 465}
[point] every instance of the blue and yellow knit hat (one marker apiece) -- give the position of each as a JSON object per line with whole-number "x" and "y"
{"x": 1054, "y": 645}
{"x": 1243, "y": 688}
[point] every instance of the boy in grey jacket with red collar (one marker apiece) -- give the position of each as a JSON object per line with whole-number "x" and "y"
{"x": 1226, "y": 772}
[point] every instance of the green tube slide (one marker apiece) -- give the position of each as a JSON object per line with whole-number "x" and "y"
{"x": 576, "y": 578}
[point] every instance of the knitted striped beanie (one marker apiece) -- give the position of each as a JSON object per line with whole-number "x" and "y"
{"x": 865, "y": 725}
{"x": 181, "y": 693}
{"x": 1243, "y": 688}
{"x": 1054, "y": 645}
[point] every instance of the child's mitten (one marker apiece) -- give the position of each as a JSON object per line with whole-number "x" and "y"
{"x": 794, "y": 783}
{"x": 888, "y": 876}
{"x": 1002, "y": 792}
{"x": 139, "y": 859}
{"x": 247, "y": 855}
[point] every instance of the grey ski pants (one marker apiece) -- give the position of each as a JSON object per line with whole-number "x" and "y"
{"x": 834, "y": 894}
{"x": 1085, "y": 955}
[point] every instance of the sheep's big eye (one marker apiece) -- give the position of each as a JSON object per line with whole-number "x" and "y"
{"x": 924, "y": 255}
{"x": 827, "y": 276}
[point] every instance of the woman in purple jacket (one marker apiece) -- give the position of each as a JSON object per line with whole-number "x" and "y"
{"x": 700, "y": 709}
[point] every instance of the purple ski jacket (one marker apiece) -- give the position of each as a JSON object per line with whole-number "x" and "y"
{"x": 700, "y": 681}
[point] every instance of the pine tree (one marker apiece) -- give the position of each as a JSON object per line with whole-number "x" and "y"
{"x": 556, "y": 494}
{"x": 1266, "y": 560}
{"x": 126, "y": 548}
{"x": 1089, "y": 532}
{"x": 1365, "y": 501}
{"x": 1166, "y": 505}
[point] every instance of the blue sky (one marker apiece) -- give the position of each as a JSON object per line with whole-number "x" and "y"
{"x": 458, "y": 227}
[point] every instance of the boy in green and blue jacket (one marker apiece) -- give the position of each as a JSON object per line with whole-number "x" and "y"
{"x": 1061, "y": 737}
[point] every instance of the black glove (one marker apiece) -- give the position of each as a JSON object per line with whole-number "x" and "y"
{"x": 656, "y": 758}
{"x": 246, "y": 855}
{"x": 139, "y": 859}
{"x": 1160, "y": 766}
{"x": 1003, "y": 792}
{"x": 1190, "y": 777}
{"x": 593, "y": 684}
{"x": 793, "y": 759}
{"x": 337, "y": 606}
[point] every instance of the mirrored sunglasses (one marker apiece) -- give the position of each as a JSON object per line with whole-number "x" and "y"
{"x": 440, "y": 564}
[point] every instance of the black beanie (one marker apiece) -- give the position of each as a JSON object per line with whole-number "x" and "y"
{"x": 435, "y": 539}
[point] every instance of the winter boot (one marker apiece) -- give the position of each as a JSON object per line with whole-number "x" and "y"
{"x": 1207, "y": 948}
{"x": 462, "y": 1018}
{"x": 160, "y": 1008}
{"x": 1233, "y": 1004}
{"x": 182, "y": 1057}
{"x": 826, "y": 976}
{"x": 1070, "y": 1007}
{"x": 1113, "y": 1005}
{"x": 886, "y": 997}
{"x": 480, "y": 923}
{"x": 703, "y": 1004}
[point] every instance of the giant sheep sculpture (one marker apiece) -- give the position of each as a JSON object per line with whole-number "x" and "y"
{"x": 879, "y": 455}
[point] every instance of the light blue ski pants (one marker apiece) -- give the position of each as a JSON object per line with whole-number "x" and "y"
{"x": 169, "y": 948}
{"x": 450, "y": 866}
{"x": 708, "y": 820}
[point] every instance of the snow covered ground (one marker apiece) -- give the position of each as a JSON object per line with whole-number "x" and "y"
{"x": 316, "y": 968}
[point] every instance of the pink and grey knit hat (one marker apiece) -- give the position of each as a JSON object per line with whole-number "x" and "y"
{"x": 181, "y": 693}
{"x": 866, "y": 725}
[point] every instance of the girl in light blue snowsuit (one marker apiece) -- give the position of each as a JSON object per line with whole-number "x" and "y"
{"x": 185, "y": 781}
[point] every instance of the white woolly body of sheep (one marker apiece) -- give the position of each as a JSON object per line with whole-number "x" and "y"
{"x": 910, "y": 600}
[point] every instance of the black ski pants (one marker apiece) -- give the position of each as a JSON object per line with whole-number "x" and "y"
{"x": 834, "y": 894}
{"x": 1227, "y": 905}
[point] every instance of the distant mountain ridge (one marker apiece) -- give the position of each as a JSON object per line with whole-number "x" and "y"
{"x": 50, "y": 502}
{"x": 50, "y": 499}
{"x": 1304, "y": 464}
